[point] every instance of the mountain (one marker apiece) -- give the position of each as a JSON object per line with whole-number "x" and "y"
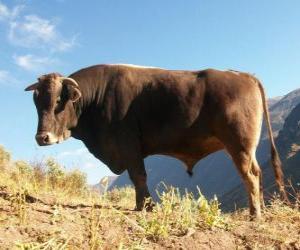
{"x": 288, "y": 145}
{"x": 104, "y": 183}
{"x": 280, "y": 109}
{"x": 215, "y": 174}
{"x": 273, "y": 100}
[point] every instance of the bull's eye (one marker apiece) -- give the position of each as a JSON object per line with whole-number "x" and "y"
{"x": 59, "y": 106}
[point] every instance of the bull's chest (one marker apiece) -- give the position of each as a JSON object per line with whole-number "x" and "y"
{"x": 115, "y": 148}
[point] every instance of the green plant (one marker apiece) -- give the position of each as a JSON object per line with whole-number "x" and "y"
{"x": 178, "y": 213}
{"x": 55, "y": 173}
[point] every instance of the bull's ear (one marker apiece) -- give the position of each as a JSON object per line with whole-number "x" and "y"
{"x": 74, "y": 93}
{"x": 32, "y": 87}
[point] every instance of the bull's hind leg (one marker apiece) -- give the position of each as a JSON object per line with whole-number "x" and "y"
{"x": 261, "y": 188}
{"x": 257, "y": 169}
{"x": 242, "y": 121}
{"x": 250, "y": 172}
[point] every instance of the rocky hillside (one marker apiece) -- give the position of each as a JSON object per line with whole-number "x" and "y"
{"x": 280, "y": 109}
{"x": 215, "y": 174}
{"x": 104, "y": 184}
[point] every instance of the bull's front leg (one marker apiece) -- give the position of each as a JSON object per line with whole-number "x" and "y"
{"x": 138, "y": 176}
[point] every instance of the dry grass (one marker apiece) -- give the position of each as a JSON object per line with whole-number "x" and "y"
{"x": 42, "y": 206}
{"x": 177, "y": 214}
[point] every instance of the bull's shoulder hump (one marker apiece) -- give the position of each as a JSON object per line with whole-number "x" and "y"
{"x": 88, "y": 70}
{"x": 206, "y": 72}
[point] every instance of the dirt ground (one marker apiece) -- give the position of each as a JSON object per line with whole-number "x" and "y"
{"x": 44, "y": 224}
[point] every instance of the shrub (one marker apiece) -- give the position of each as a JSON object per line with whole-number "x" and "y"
{"x": 21, "y": 173}
{"x": 23, "y": 168}
{"x": 40, "y": 177}
{"x": 4, "y": 157}
{"x": 55, "y": 173}
{"x": 76, "y": 181}
{"x": 178, "y": 213}
{"x": 123, "y": 194}
{"x": 39, "y": 173}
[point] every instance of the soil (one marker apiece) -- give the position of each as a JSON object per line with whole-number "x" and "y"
{"x": 43, "y": 223}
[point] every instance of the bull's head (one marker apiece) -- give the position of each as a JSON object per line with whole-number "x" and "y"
{"x": 54, "y": 97}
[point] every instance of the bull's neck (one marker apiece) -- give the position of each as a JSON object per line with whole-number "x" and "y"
{"x": 93, "y": 91}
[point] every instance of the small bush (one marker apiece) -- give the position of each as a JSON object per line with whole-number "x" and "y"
{"x": 121, "y": 196}
{"x": 39, "y": 172}
{"x": 40, "y": 177}
{"x": 55, "y": 173}
{"x": 177, "y": 214}
{"x": 23, "y": 168}
{"x": 75, "y": 182}
{"x": 4, "y": 157}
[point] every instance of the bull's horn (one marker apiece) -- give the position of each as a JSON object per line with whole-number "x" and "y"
{"x": 32, "y": 86}
{"x": 70, "y": 81}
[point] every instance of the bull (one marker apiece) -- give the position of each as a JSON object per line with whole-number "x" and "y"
{"x": 124, "y": 113}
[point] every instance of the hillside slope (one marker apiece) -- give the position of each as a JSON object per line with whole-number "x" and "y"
{"x": 43, "y": 206}
{"x": 51, "y": 225}
{"x": 59, "y": 220}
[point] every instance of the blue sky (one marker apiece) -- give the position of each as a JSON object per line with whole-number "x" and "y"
{"x": 37, "y": 37}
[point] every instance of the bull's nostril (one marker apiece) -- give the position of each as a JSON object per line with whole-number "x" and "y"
{"x": 46, "y": 138}
{"x": 42, "y": 139}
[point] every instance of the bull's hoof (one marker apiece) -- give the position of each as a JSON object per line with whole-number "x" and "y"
{"x": 255, "y": 217}
{"x": 148, "y": 206}
{"x": 138, "y": 209}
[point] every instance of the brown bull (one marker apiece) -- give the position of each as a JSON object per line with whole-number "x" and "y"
{"x": 124, "y": 113}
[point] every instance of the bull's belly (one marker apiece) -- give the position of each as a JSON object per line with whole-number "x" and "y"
{"x": 186, "y": 146}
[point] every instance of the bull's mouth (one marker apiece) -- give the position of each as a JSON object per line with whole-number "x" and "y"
{"x": 48, "y": 138}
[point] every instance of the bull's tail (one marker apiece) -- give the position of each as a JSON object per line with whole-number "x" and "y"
{"x": 275, "y": 159}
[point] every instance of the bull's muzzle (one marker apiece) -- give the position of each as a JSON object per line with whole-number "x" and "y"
{"x": 48, "y": 138}
{"x": 43, "y": 139}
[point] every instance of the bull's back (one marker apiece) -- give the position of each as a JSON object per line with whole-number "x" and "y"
{"x": 168, "y": 108}
{"x": 195, "y": 109}
{"x": 233, "y": 100}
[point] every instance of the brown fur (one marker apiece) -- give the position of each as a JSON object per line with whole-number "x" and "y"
{"x": 127, "y": 113}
